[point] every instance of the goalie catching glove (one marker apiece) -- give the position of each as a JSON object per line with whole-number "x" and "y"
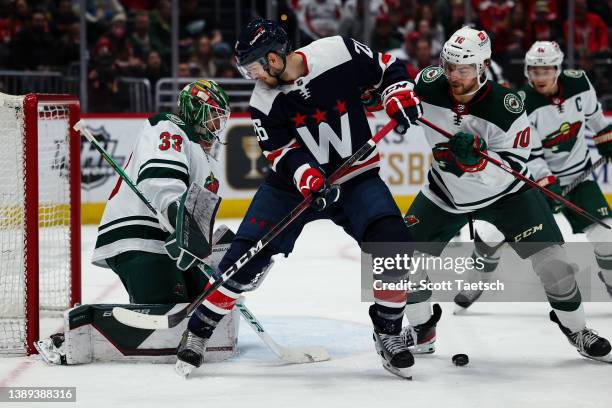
{"x": 194, "y": 216}
{"x": 311, "y": 181}
{"x": 465, "y": 148}
{"x": 603, "y": 141}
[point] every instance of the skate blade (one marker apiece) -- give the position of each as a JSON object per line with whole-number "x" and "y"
{"x": 604, "y": 359}
{"x": 183, "y": 369}
{"x": 426, "y": 348}
{"x": 405, "y": 373}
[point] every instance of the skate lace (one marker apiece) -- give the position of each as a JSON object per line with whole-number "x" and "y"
{"x": 585, "y": 338}
{"x": 409, "y": 336}
{"x": 195, "y": 343}
{"x": 393, "y": 343}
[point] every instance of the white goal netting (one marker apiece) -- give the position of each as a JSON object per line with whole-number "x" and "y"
{"x": 53, "y": 186}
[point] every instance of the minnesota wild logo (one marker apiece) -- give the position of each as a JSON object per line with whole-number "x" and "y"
{"x": 175, "y": 119}
{"x": 411, "y": 220}
{"x": 513, "y": 103}
{"x": 562, "y": 140}
{"x": 573, "y": 73}
{"x": 430, "y": 74}
{"x": 211, "y": 183}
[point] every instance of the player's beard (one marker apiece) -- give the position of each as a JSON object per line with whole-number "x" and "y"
{"x": 459, "y": 89}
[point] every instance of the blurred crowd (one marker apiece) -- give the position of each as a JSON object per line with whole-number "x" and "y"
{"x": 132, "y": 38}
{"x": 415, "y": 30}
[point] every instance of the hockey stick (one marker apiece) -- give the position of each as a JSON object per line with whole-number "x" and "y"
{"x": 148, "y": 321}
{"x": 524, "y": 179}
{"x": 290, "y": 355}
{"x": 585, "y": 174}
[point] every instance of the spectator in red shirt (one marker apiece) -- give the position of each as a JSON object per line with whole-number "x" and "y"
{"x": 493, "y": 12}
{"x": 590, "y": 32}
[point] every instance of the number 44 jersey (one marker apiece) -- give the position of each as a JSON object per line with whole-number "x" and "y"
{"x": 163, "y": 164}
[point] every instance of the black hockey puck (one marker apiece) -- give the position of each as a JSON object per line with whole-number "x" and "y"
{"x": 460, "y": 359}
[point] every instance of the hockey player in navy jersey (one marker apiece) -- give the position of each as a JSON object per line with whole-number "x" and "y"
{"x": 308, "y": 118}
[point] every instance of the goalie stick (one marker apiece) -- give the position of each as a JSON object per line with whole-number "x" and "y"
{"x": 289, "y": 355}
{"x": 524, "y": 179}
{"x": 148, "y": 321}
{"x": 585, "y": 174}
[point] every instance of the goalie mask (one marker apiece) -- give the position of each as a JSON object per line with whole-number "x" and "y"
{"x": 259, "y": 38}
{"x": 466, "y": 54}
{"x": 205, "y": 106}
{"x": 543, "y": 54}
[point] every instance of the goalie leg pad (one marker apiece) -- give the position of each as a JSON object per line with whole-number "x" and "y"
{"x": 91, "y": 333}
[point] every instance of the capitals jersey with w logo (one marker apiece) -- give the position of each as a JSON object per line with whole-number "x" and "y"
{"x": 318, "y": 119}
{"x": 560, "y": 122}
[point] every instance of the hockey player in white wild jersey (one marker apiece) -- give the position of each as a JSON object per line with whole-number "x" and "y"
{"x": 483, "y": 116}
{"x": 170, "y": 154}
{"x": 560, "y": 105}
{"x": 169, "y": 163}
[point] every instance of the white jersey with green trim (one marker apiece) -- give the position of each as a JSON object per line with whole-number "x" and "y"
{"x": 163, "y": 164}
{"x": 497, "y": 115}
{"x": 560, "y": 123}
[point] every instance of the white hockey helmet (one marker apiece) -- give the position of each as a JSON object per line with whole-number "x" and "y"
{"x": 543, "y": 54}
{"x": 468, "y": 46}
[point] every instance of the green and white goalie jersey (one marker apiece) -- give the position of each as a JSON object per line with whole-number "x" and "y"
{"x": 497, "y": 115}
{"x": 164, "y": 163}
{"x": 559, "y": 122}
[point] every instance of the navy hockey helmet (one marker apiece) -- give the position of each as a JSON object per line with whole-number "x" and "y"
{"x": 256, "y": 41}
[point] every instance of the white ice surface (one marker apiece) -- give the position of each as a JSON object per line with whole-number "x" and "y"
{"x": 517, "y": 357}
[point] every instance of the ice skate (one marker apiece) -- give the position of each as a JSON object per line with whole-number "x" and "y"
{"x": 586, "y": 341}
{"x": 421, "y": 339}
{"x": 190, "y": 353}
{"x": 395, "y": 355}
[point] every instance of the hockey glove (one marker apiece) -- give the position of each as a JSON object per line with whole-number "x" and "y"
{"x": 551, "y": 183}
{"x": 310, "y": 180}
{"x": 184, "y": 260}
{"x": 402, "y": 104}
{"x": 603, "y": 141}
{"x": 465, "y": 148}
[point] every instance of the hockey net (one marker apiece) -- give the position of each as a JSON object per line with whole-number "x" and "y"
{"x": 39, "y": 214}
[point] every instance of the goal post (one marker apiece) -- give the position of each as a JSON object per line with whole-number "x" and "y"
{"x": 39, "y": 214}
